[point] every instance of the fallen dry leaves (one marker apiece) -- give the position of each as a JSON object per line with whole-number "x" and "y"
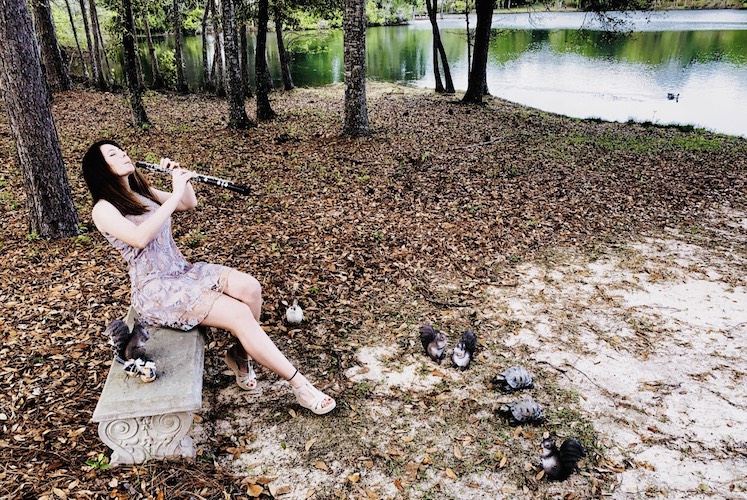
{"x": 358, "y": 227}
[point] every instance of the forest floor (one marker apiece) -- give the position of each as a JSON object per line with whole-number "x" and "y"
{"x": 608, "y": 259}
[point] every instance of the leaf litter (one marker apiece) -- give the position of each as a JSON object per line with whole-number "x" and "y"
{"x": 596, "y": 254}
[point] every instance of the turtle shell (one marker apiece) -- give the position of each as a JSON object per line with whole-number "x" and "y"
{"x": 516, "y": 378}
{"x": 525, "y": 410}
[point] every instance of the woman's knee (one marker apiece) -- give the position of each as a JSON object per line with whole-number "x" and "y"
{"x": 250, "y": 290}
{"x": 229, "y": 314}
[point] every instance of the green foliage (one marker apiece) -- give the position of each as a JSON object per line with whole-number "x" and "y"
{"x": 304, "y": 20}
{"x": 63, "y": 30}
{"x": 9, "y": 202}
{"x": 167, "y": 65}
{"x": 306, "y": 45}
{"x": 387, "y": 12}
{"x": 192, "y": 20}
{"x": 458, "y": 7}
{"x": 82, "y": 240}
{"x": 195, "y": 238}
{"x": 697, "y": 143}
{"x": 99, "y": 463}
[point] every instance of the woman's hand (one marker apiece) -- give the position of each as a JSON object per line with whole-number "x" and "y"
{"x": 179, "y": 176}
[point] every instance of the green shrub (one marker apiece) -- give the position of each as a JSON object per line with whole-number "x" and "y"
{"x": 192, "y": 20}
{"x": 167, "y": 65}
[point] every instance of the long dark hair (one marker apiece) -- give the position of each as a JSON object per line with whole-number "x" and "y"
{"x": 105, "y": 184}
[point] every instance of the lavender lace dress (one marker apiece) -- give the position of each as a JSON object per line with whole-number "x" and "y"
{"x": 166, "y": 289}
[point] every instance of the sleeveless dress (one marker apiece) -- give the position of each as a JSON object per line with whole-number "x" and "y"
{"x": 166, "y": 289}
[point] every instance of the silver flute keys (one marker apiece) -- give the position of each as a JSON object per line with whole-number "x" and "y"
{"x": 207, "y": 179}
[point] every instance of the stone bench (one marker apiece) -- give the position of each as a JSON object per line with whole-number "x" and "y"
{"x": 143, "y": 421}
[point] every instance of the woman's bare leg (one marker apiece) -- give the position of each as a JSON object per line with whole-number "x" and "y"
{"x": 238, "y": 318}
{"x": 246, "y": 288}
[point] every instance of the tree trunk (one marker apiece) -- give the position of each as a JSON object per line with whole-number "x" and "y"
{"x": 354, "y": 33}
{"x": 469, "y": 38}
{"x": 27, "y": 100}
{"x": 244, "y": 48}
{"x": 100, "y": 79}
{"x": 477, "y": 77}
{"x": 138, "y": 60}
{"x": 438, "y": 51}
{"x": 447, "y": 70}
{"x": 444, "y": 61}
{"x": 51, "y": 56}
{"x": 95, "y": 74}
{"x": 431, "y": 9}
{"x": 282, "y": 54}
{"x": 237, "y": 118}
{"x": 181, "y": 83}
{"x": 106, "y": 67}
{"x": 264, "y": 110}
{"x": 132, "y": 83}
{"x": 157, "y": 78}
{"x": 75, "y": 36}
{"x": 220, "y": 88}
{"x": 206, "y": 81}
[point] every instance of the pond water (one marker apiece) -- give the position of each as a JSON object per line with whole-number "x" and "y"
{"x": 557, "y": 62}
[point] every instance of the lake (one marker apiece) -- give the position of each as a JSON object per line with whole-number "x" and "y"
{"x": 558, "y": 62}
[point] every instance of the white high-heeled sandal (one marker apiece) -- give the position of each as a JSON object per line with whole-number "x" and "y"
{"x": 247, "y": 380}
{"x": 314, "y": 400}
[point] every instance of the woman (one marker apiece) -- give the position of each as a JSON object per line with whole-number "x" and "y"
{"x": 167, "y": 290}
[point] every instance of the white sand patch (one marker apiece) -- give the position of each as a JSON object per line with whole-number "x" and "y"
{"x": 407, "y": 373}
{"x": 656, "y": 342}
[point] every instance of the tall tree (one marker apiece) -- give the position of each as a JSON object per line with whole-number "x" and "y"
{"x": 354, "y": 35}
{"x": 244, "y": 49}
{"x": 138, "y": 61}
{"x": 134, "y": 89}
{"x": 438, "y": 51}
{"x": 75, "y": 36}
{"x": 94, "y": 70}
{"x": 220, "y": 88}
{"x": 264, "y": 109}
{"x": 476, "y": 84}
{"x": 282, "y": 54}
{"x": 469, "y": 37}
{"x": 181, "y": 82}
{"x": 107, "y": 68}
{"x": 27, "y": 101}
{"x": 157, "y": 78}
{"x": 236, "y": 111}
{"x": 54, "y": 66}
{"x": 100, "y": 79}
{"x": 206, "y": 79}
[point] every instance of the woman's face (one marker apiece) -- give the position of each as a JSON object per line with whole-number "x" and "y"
{"x": 118, "y": 160}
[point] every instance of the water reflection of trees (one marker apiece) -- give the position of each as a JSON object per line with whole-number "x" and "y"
{"x": 401, "y": 53}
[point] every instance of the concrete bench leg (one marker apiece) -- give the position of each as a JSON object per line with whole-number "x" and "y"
{"x": 136, "y": 440}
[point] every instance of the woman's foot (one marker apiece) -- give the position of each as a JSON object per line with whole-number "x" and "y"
{"x": 241, "y": 367}
{"x": 310, "y": 397}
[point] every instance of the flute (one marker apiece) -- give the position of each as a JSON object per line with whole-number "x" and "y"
{"x": 207, "y": 179}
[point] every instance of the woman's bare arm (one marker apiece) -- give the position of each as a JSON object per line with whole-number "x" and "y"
{"x": 188, "y": 201}
{"x": 110, "y": 220}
